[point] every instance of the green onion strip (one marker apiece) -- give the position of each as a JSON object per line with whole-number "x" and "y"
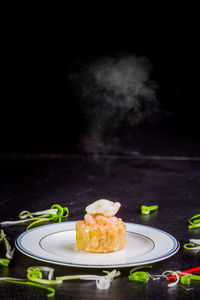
{"x": 194, "y": 244}
{"x": 173, "y": 273}
{"x": 102, "y": 282}
{"x": 9, "y": 253}
{"x": 4, "y": 262}
{"x": 35, "y": 278}
{"x": 49, "y": 289}
{"x": 55, "y": 213}
{"x": 194, "y": 222}
{"x": 139, "y": 276}
{"x": 186, "y": 279}
{"x": 35, "y": 274}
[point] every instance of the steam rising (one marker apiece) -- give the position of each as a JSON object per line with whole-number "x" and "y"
{"x": 113, "y": 92}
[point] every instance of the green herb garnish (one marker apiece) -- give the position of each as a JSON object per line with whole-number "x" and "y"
{"x": 35, "y": 274}
{"x": 35, "y": 278}
{"x": 194, "y": 244}
{"x": 187, "y": 278}
{"x": 102, "y": 282}
{"x": 194, "y": 222}
{"x": 18, "y": 281}
{"x": 173, "y": 274}
{"x": 55, "y": 213}
{"x": 9, "y": 253}
{"x": 139, "y": 276}
{"x": 145, "y": 210}
{"x": 4, "y": 262}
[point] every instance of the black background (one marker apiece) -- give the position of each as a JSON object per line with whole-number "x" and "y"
{"x": 39, "y": 108}
{"x": 39, "y": 113}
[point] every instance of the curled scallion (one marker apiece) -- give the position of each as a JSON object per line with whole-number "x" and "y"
{"x": 188, "y": 277}
{"x": 9, "y": 253}
{"x": 55, "y": 213}
{"x": 176, "y": 274}
{"x": 194, "y": 222}
{"x": 139, "y": 276}
{"x": 194, "y": 244}
{"x": 51, "y": 291}
{"x": 102, "y": 282}
{"x": 35, "y": 278}
{"x": 4, "y": 262}
{"x": 35, "y": 274}
{"x": 145, "y": 210}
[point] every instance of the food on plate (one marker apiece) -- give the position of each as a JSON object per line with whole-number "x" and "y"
{"x": 101, "y": 231}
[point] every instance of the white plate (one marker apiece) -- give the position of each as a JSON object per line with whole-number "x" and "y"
{"x": 54, "y": 243}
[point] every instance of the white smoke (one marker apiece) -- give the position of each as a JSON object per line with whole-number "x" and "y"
{"x": 113, "y": 91}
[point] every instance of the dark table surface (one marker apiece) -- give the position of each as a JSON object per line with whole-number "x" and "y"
{"x": 36, "y": 182}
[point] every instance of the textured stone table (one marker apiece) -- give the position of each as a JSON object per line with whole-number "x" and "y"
{"x": 36, "y": 182}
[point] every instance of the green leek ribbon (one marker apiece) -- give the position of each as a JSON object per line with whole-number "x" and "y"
{"x": 60, "y": 214}
{"x": 9, "y": 253}
{"x": 194, "y": 244}
{"x": 139, "y": 276}
{"x": 194, "y": 222}
{"x": 56, "y": 214}
{"x": 145, "y": 210}
{"x": 35, "y": 278}
{"x": 187, "y": 278}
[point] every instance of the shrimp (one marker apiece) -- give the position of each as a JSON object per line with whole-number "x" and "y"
{"x": 101, "y": 231}
{"x": 101, "y": 220}
{"x": 104, "y": 207}
{"x": 89, "y": 220}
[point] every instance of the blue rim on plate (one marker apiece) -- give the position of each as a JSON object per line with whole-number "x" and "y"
{"x": 56, "y": 228}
